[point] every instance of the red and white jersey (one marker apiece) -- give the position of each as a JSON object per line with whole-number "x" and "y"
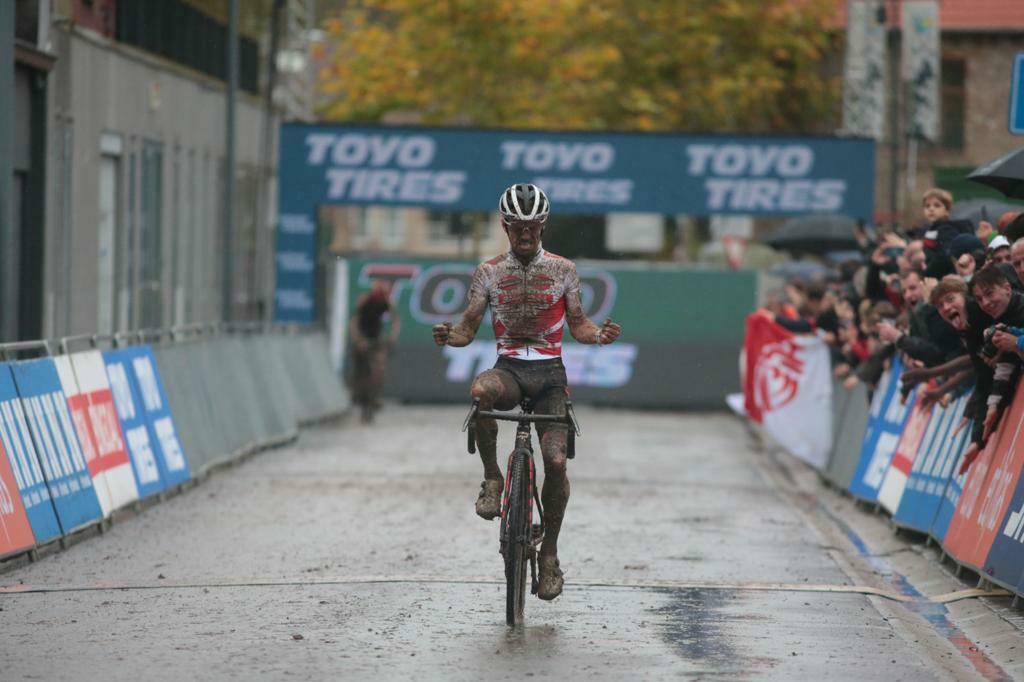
{"x": 527, "y": 302}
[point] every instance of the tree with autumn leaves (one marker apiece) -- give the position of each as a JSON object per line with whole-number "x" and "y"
{"x": 691, "y": 65}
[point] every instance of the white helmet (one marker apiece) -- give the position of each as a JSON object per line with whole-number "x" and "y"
{"x": 524, "y": 202}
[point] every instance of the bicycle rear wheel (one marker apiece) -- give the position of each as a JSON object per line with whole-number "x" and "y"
{"x": 518, "y": 536}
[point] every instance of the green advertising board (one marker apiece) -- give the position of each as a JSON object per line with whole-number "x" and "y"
{"x": 682, "y": 331}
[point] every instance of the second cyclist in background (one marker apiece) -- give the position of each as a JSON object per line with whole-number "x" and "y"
{"x": 370, "y": 346}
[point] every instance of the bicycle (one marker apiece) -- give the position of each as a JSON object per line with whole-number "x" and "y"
{"x": 519, "y": 537}
{"x": 368, "y": 367}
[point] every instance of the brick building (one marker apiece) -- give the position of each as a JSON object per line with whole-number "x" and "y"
{"x": 979, "y": 39}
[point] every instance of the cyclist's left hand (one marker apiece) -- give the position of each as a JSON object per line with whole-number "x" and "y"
{"x": 608, "y": 332}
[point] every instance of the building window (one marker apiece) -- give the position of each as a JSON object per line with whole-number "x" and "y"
{"x": 445, "y": 226}
{"x": 954, "y": 98}
{"x": 110, "y": 231}
{"x": 151, "y": 236}
{"x": 393, "y": 228}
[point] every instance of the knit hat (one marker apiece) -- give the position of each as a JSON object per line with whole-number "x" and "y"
{"x": 964, "y": 243}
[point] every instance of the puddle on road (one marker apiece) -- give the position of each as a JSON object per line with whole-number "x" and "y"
{"x": 695, "y": 627}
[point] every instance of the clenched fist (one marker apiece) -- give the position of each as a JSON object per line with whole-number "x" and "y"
{"x": 442, "y": 332}
{"x": 608, "y": 332}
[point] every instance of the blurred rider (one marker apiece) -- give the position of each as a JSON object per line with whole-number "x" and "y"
{"x": 370, "y": 346}
{"x": 531, "y": 293}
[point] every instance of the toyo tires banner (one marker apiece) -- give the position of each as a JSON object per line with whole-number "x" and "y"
{"x": 681, "y": 332}
{"x": 465, "y": 170}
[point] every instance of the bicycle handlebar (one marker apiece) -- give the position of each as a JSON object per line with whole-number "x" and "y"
{"x": 522, "y": 417}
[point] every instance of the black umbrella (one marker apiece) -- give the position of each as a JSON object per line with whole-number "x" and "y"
{"x": 803, "y": 270}
{"x": 977, "y": 210}
{"x": 1005, "y": 174}
{"x": 814, "y": 234}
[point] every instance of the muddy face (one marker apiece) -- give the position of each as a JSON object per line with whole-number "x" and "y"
{"x": 524, "y": 237}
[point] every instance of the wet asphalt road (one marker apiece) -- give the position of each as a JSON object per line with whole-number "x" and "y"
{"x": 355, "y": 554}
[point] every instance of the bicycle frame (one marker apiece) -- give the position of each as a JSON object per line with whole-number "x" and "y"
{"x": 530, "y": 534}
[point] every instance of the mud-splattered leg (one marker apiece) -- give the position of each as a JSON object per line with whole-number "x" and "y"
{"x": 495, "y": 389}
{"x": 555, "y": 495}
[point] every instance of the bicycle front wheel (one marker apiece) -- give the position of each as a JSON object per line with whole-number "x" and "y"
{"x": 517, "y": 534}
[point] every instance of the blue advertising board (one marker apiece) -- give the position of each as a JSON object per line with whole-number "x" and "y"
{"x": 466, "y": 170}
{"x": 148, "y": 390}
{"x": 1017, "y": 96}
{"x": 926, "y": 486}
{"x": 145, "y": 464}
{"x": 954, "y": 487}
{"x": 886, "y": 419}
{"x": 1005, "y": 561}
{"x": 17, "y": 442}
{"x": 63, "y": 464}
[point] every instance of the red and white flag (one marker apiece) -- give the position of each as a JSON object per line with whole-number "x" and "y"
{"x": 788, "y": 388}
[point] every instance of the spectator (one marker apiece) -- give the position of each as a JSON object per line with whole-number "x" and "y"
{"x": 1005, "y": 220}
{"x": 985, "y": 231}
{"x": 929, "y": 339}
{"x": 967, "y": 254}
{"x": 1017, "y": 257}
{"x": 998, "y": 250}
{"x": 950, "y": 298}
{"x": 998, "y": 300}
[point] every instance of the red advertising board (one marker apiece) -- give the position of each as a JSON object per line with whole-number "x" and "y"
{"x": 991, "y": 481}
{"x": 15, "y": 531}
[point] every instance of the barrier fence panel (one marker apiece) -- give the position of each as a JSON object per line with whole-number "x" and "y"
{"x": 1005, "y": 561}
{"x": 15, "y": 531}
{"x": 250, "y": 397}
{"x": 332, "y": 395}
{"x": 954, "y": 489}
{"x": 885, "y": 424}
{"x": 73, "y": 491}
{"x": 210, "y": 391}
{"x": 301, "y": 374}
{"x": 226, "y": 383}
{"x": 188, "y": 402}
{"x": 148, "y": 388}
{"x": 986, "y": 496}
{"x": 895, "y": 481}
{"x": 277, "y": 415}
{"x": 133, "y": 423}
{"x": 930, "y": 474}
{"x": 79, "y": 407}
{"x": 840, "y": 403}
{"x": 21, "y": 453}
{"x": 849, "y": 437}
{"x": 279, "y": 350}
{"x": 221, "y": 387}
{"x": 111, "y": 450}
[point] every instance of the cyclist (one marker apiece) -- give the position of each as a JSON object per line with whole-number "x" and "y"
{"x": 370, "y": 346}
{"x": 531, "y": 293}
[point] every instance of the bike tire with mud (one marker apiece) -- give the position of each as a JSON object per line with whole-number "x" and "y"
{"x": 518, "y": 536}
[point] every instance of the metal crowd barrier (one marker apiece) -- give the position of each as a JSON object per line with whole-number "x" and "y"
{"x": 231, "y": 389}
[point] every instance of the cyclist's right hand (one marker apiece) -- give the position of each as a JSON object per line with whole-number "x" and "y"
{"x": 442, "y": 332}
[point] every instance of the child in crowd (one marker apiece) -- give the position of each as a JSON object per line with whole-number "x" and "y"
{"x": 940, "y": 231}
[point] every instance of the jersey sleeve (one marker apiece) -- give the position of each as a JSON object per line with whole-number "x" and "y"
{"x": 480, "y": 285}
{"x": 572, "y": 281}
